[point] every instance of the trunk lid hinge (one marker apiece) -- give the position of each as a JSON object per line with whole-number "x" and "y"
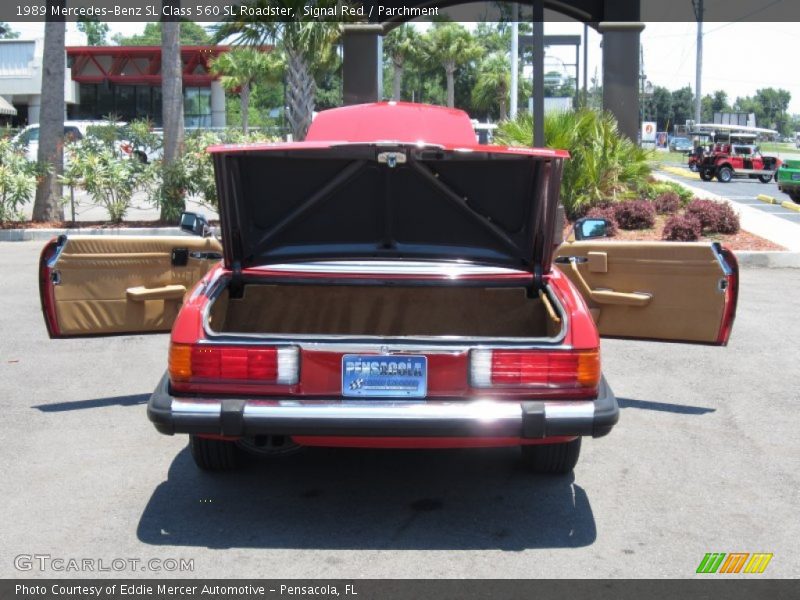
{"x": 537, "y": 277}
{"x": 236, "y": 287}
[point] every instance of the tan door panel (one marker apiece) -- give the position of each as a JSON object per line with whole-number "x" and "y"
{"x": 106, "y": 284}
{"x": 655, "y": 290}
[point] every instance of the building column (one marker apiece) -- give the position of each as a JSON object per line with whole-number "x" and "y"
{"x": 218, "y": 117}
{"x": 362, "y": 63}
{"x": 621, "y": 73}
{"x": 34, "y": 105}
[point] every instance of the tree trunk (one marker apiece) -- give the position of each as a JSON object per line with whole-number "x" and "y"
{"x": 172, "y": 195}
{"x": 245, "y": 99}
{"x": 502, "y": 97}
{"x": 451, "y": 85}
{"x": 397, "y": 83}
{"x": 47, "y": 206}
{"x": 301, "y": 90}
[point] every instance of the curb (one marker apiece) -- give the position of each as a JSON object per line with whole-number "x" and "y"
{"x": 27, "y": 235}
{"x": 767, "y": 199}
{"x": 788, "y": 204}
{"x": 768, "y": 260}
{"x": 685, "y": 173}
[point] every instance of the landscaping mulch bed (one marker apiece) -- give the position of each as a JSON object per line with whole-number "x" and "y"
{"x": 744, "y": 240}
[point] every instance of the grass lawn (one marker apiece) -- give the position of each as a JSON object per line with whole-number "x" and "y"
{"x": 667, "y": 158}
{"x": 778, "y": 147}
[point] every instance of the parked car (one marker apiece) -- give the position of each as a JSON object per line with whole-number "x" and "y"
{"x": 28, "y": 137}
{"x": 788, "y": 178}
{"x": 399, "y": 287}
{"x": 681, "y": 144}
{"x": 77, "y": 130}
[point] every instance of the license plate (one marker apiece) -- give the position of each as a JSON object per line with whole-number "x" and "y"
{"x": 384, "y": 375}
{"x": 795, "y": 176}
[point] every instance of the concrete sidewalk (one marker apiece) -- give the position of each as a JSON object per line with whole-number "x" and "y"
{"x": 767, "y": 226}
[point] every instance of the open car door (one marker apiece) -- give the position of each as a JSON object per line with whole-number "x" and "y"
{"x": 93, "y": 285}
{"x": 674, "y": 291}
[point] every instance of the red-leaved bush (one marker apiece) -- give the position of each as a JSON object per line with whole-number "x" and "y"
{"x": 714, "y": 217}
{"x": 682, "y": 228}
{"x": 667, "y": 203}
{"x": 705, "y": 211}
{"x": 727, "y": 221}
{"x": 608, "y": 213}
{"x": 635, "y": 214}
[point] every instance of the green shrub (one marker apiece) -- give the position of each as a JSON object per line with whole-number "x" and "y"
{"x": 604, "y": 164}
{"x": 17, "y": 181}
{"x": 193, "y": 173}
{"x": 653, "y": 189}
{"x": 110, "y": 176}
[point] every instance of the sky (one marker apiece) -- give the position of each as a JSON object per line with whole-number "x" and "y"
{"x": 737, "y": 57}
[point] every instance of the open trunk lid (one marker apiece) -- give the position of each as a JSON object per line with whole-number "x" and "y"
{"x": 349, "y": 201}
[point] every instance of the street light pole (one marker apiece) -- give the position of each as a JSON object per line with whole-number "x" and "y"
{"x": 698, "y": 13}
{"x": 514, "y": 61}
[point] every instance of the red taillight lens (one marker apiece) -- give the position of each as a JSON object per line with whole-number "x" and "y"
{"x": 234, "y": 363}
{"x": 532, "y": 368}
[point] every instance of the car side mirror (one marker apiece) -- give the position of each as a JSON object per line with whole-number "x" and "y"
{"x": 195, "y": 223}
{"x": 589, "y": 228}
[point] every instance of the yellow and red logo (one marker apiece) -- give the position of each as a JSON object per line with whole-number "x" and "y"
{"x": 734, "y": 562}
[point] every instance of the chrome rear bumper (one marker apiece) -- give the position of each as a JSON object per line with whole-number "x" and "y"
{"x": 382, "y": 418}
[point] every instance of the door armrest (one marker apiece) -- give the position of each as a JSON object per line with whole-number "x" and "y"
{"x": 168, "y": 292}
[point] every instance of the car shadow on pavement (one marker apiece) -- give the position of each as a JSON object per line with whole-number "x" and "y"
{"x": 683, "y": 409}
{"x": 132, "y": 400}
{"x": 373, "y": 499}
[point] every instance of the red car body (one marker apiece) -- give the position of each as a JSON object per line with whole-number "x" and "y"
{"x": 491, "y": 229}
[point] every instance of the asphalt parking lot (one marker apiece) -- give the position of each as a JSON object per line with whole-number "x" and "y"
{"x": 745, "y": 191}
{"x": 706, "y": 458}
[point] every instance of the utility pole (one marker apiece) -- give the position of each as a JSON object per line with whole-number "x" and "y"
{"x": 514, "y": 60}
{"x": 697, "y": 5}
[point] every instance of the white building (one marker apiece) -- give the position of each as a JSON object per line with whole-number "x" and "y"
{"x": 21, "y": 79}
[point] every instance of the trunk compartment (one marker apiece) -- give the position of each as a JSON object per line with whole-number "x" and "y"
{"x": 385, "y": 310}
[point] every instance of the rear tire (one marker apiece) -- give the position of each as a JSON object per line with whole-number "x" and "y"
{"x": 765, "y": 178}
{"x": 706, "y": 174}
{"x": 795, "y": 196}
{"x": 552, "y": 459}
{"x": 724, "y": 174}
{"x": 214, "y": 455}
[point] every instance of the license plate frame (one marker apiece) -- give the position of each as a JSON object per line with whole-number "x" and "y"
{"x": 392, "y": 376}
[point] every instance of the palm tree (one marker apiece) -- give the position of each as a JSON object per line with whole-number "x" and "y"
{"x": 47, "y": 206}
{"x": 494, "y": 81}
{"x": 451, "y": 46}
{"x": 401, "y": 44}
{"x": 240, "y": 68}
{"x": 172, "y": 196}
{"x": 304, "y": 43}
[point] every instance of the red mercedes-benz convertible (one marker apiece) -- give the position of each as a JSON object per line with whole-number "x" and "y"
{"x": 387, "y": 283}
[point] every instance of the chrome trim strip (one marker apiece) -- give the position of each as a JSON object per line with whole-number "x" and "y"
{"x": 568, "y": 410}
{"x": 476, "y": 410}
{"x": 196, "y": 407}
{"x": 392, "y": 268}
{"x": 439, "y": 344}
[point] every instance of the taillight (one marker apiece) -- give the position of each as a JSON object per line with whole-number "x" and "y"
{"x": 279, "y": 365}
{"x": 535, "y": 368}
